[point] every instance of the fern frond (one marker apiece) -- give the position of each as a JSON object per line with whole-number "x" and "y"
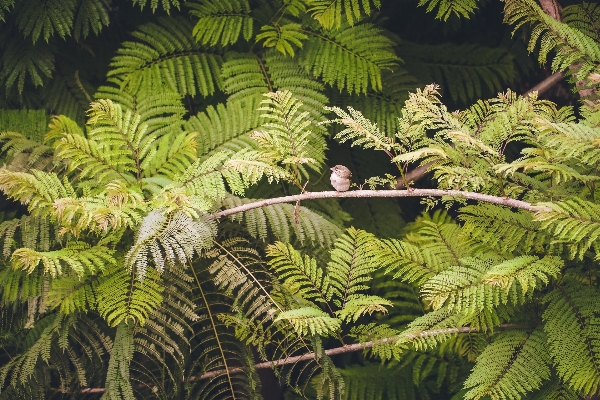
{"x": 22, "y": 60}
{"x": 465, "y": 72}
{"x": 91, "y": 15}
{"x": 122, "y": 297}
{"x": 350, "y": 58}
{"x": 572, "y": 326}
{"x": 78, "y": 257}
{"x": 299, "y": 272}
{"x": 48, "y": 17}
{"x": 477, "y": 285}
{"x": 285, "y": 136}
{"x": 222, "y": 21}
{"x": 330, "y": 13}
{"x": 281, "y": 37}
{"x": 71, "y": 293}
{"x": 38, "y": 345}
{"x": 459, "y": 8}
{"x": 382, "y": 108}
{"x": 118, "y": 385}
{"x": 226, "y": 126}
{"x": 359, "y": 305}
{"x": 33, "y": 124}
{"x": 584, "y": 17}
{"x": 5, "y": 5}
{"x": 18, "y": 147}
{"x": 166, "y": 4}
{"x": 405, "y": 259}
{"x": 38, "y": 190}
{"x": 168, "y": 239}
{"x": 575, "y": 222}
{"x": 166, "y": 54}
{"x": 571, "y": 45}
{"x": 353, "y": 260}
{"x": 513, "y": 365}
{"x": 503, "y": 229}
{"x": 310, "y": 320}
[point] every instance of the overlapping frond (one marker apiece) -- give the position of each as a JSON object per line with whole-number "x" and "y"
{"x": 166, "y": 55}
{"x": 465, "y": 72}
{"x": 514, "y": 364}
{"x": 571, "y": 45}
{"x": 222, "y": 21}
{"x": 334, "y": 13}
{"x": 571, "y": 323}
{"x": 447, "y": 8}
{"x": 38, "y": 17}
{"x": 124, "y": 299}
{"x": 350, "y": 58}
{"x": 285, "y": 221}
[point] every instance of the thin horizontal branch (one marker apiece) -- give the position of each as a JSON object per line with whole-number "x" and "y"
{"x": 546, "y": 84}
{"x": 330, "y": 352}
{"x": 504, "y": 201}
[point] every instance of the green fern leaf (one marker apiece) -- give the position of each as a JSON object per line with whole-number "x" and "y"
{"x": 571, "y": 323}
{"x": 167, "y": 4}
{"x": 222, "y": 21}
{"x": 310, "y": 320}
{"x": 45, "y": 16}
{"x": 359, "y": 305}
{"x": 301, "y": 273}
{"x": 515, "y": 364}
{"x": 459, "y": 8}
{"x": 78, "y": 257}
{"x": 5, "y": 5}
{"x": 22, "y": 59}
{"x": 118, "y": 385}
{"x": 121, "y": 297}
{"x": 350, "y": 58}
{"x": 282, "y": 37}
{"x": 330, "y": 13}
{"x": 166, "y": 54}
{"x": 91, "y": 15}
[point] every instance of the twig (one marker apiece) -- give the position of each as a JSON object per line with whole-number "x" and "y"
{"x": 504, "y": 201}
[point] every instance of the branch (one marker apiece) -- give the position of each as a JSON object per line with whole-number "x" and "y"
{"x": 546, "y": 83}
{"x": 504, "y": 201}
{"x": 330, "y": 352}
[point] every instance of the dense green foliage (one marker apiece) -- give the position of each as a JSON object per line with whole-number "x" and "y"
{"x": 118, "y": 278}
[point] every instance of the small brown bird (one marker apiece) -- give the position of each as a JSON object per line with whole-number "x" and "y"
{"x": 340, "y": 178}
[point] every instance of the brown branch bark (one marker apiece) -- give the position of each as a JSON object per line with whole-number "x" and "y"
{"x": 330, "y": 352}
{"x": 504, "y": 201}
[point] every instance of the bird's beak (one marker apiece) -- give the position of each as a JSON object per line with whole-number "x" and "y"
{"x": 331, "y": 168}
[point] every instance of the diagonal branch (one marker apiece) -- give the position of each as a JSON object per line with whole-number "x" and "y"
{"x": 349, "y": 348}
{"x": 504, "y": 201}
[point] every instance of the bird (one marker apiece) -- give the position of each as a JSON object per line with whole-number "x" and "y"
{"x": 340, "y": 178}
